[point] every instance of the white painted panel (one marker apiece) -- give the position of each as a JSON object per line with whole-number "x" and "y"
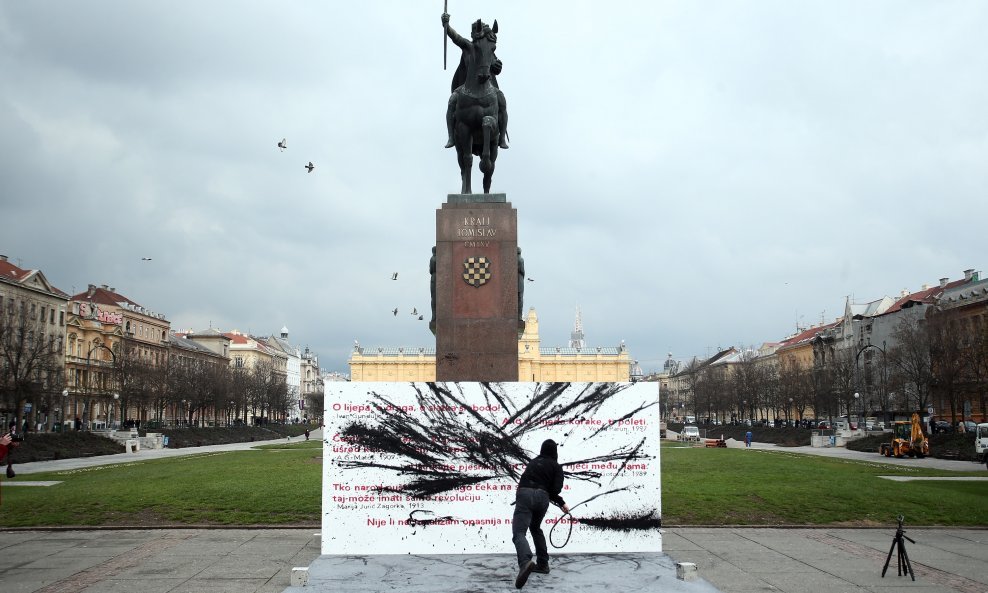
{"x": 431, "y": 468}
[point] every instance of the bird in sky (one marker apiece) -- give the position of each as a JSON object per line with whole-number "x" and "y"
{"x": 145, "y": 259}
{"x": 420, "y": 318}
{"x": 283, "y": 145}
{"x": 395, "y": 312}
{"x": 531, "y": 279}
{"x": 310, "y": 167}
{"x": 394, "y": 276}
{"x": 415, "y": 311}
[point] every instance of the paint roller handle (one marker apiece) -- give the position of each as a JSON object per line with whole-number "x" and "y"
{"x": 565, "y": 509}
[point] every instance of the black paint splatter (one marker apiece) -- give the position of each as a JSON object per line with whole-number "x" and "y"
{"x": 445, "y": 443}
{"x": 413, "y": 521}
{"x": 628, "y": 522}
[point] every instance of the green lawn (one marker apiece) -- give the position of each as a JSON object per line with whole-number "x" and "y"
{"x": 759, "y": 487}
{"x": 274, "y": 485}
{"x": 280, "y": 485}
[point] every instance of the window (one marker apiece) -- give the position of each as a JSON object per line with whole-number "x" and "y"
{"x": 41, "y": 317}
{"x": 61, "y": 317}
{"x": 51, "y": 316}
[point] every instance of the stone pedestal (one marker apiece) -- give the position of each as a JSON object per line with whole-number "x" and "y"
{"x": 477, "y": 283}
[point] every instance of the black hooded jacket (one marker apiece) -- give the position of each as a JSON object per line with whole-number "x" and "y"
{"x": 545, "y": 473}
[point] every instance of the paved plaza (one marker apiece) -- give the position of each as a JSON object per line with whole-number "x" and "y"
{"x": 729, "y": 559}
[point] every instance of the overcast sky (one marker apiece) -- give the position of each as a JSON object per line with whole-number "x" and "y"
{"x": 692, "y": 175}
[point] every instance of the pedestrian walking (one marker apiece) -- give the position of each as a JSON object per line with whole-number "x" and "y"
{"x": 747, "y": 439}
{"x": 539, "y": 485}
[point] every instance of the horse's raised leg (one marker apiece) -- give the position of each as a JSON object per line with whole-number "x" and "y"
{"x": 489, "y": 151}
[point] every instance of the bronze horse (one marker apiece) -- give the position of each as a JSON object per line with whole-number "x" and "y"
{"x": 476, "y": 111}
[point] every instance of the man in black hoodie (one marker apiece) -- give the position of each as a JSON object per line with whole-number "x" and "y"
{"x": 540, "y": 484}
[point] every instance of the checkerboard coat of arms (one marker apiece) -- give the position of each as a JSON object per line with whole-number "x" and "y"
{"x": 477, "y": 271}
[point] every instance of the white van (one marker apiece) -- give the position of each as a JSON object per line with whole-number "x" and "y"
{"x": 690, "y": 433}
{"x": 981, "y": 442}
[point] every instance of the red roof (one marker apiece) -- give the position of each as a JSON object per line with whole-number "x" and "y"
{"x": 925, "y": 296}
{"x": 18, "y": 274}
{"x": 103, "y": 296}
{"x": 11, "y": 271}
{"x": 237, "y": 338}
{"x": 805, "y": 335}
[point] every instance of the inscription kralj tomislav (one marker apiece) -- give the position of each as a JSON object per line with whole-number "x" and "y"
{"x": 476, "y": 117}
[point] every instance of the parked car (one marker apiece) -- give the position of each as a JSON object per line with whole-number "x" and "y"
{"x": 941, "y": 426}
{"x": 967, "y": 426}
{"x": 823, "y": 425}
{"x": 690, "y": 433}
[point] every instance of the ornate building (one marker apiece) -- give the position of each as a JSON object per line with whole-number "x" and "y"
{"x": 293, "y": 371}
{"x": 535, "y": 363}
{"x": 111, "y": 341}
{"x": 32, "y": 330}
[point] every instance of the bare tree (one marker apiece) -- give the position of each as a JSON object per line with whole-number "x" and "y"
{"x": 948, "y": 362}
{"x": 315, "y": 404}
{"x": 976, "y": 355}
{"x": 31, "y": 369}
{"x": 795, "y": 386}
{"x": 911, "y": 371}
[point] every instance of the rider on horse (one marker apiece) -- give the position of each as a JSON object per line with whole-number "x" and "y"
{"x": 478, "y": 31}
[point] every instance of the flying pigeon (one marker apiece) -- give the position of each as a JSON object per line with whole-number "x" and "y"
{"x": 310, "y": 167}
{"x": 531, "y": 279}
{"x": 283, "y": 145}
{"x": 415, "y": 311}
{"x": 145, "y": 259}
{"x": 420, "y": 318}
{"x": 395, "y": 312}
{"x": 394, "y": 276}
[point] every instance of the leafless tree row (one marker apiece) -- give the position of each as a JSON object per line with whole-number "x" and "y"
{"x": 191, "y": 391}
{"x": 939, "y": 362}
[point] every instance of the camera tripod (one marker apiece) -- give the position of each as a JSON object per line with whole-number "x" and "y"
{"x": 902, "y": 557}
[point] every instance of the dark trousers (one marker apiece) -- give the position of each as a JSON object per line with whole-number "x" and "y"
{"x": 531, "y": 505}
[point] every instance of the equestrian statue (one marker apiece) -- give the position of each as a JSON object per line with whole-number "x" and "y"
{"x": 476, "y": 117}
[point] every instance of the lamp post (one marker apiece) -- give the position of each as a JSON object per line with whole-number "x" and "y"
{"x": 790, "y": 410}
{"x": 857, "y": 396}
{"x": 882, "y": 396}
{"x": 65, "y": 409}
{"x": 113, "y": 406}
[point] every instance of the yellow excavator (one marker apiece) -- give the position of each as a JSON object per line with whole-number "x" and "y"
{"x": 907, "y": 439}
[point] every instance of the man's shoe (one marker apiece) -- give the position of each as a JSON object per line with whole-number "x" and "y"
{"x": 450, "y": 143}
{"x": 523, "y": 574}
{"x": 541, "y": 568}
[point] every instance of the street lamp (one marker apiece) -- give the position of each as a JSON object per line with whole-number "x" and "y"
{"x": 790, "y": 412}
{"x": 65, "y": 409}
{"x": 857, "y": 396}
{"x": 113, "y": 406}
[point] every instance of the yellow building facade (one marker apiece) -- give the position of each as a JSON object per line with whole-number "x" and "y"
{"x": 535, "y": 363}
